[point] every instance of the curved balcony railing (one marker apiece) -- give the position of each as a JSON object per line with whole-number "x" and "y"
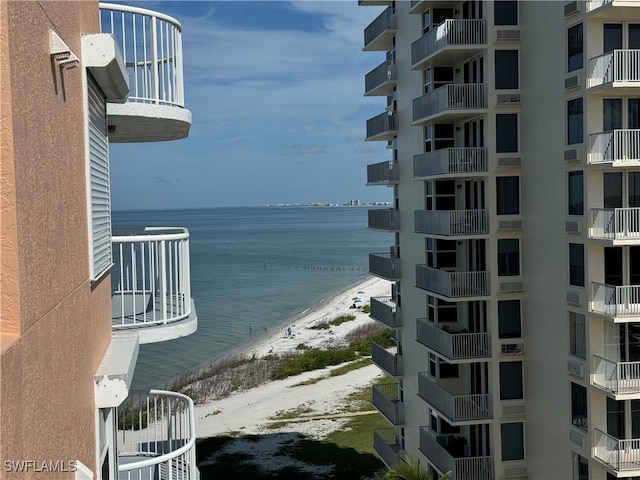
{"x": 151, "y": 46}
{"x": 157, "y": 437}
{"x": 151, "y": 278}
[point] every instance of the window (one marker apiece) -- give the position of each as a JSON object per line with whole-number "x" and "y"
{"x": 576, "y": 193}
{"x": 507, "y": 133}
{"x": 508, "y": 257}
{"x": 428, "y": 138}
{"x": 426, "y": 75}
{"x": 511, "y": 381}
{"x": 509, "y": 324}
{"x": 508, "y": 193}
{"x": 512, "y": 436}
{"x": 579, "y": 406}
{"x": 612, "y": 36}
{"x": 576, "y": 264}
{"x": 574, "y": 121}
{"x": 506, "y": 69}
{"x": 577, "y": 336}
{"x": 580, "y": 467}
{"x": 505, "y": 12}
{"x": 575, "y": 48}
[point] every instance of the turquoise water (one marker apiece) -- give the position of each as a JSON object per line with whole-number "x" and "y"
{"x": 258, "y": 267}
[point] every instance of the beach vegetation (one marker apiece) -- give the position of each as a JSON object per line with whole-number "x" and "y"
{"x": 134, "y": 421}
{"x": 366, "y": 309}
{"x": 303, "y": 346}
{"x": 294, "y": 413}
{"x": 383, "y": 337}
{"x": 409, "y": 468}
{"x": 342, "y": 319}
{"x": 313, "y": 359}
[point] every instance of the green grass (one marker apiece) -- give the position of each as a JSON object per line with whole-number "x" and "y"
{"x": 344, "y": 369}
{"x": 366, "y": 308}
{"x": 342, "y": 319}
{"x": 292, "y": 414}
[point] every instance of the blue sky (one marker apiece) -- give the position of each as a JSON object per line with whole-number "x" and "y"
{"x": 279, "y": 116}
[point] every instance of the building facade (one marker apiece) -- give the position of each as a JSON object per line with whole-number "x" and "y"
{"x": 513, "y": 129}
{"x": 79, "y": 296}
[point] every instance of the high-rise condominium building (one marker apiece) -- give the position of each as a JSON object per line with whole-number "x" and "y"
{"x": 513, "y": 131}
{"x": 79, "y": 297}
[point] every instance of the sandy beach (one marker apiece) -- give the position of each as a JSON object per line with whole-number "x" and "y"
{"x": 315, "y": 406}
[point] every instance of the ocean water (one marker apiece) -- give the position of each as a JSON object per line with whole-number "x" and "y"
{"x": 254, "y": 267}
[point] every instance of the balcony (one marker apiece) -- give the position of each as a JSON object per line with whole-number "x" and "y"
{"x": 610, "y": 9}
{"x": 617, "y": 148}
{"x": 450, "y": 103}
{"x": 620, "y": 303}
{"x": 385, "y": 265}
{"x": 383, "y": 173}
{"x": 381, "y": 80}
{"x": 388, "y": 360}
{"x": 456, "y": 162}
{"x": 151, "y": 46}
{"x": 620, "y": 225}
{"x": 151, "y": 284}
{"x": 455, "y": 408}
{"x": 453, "y": 344}
{"x": 373, "y": 3}
{"x": 385, "y": 311}
{"x": 421, "y": 6}
{"x": 623, "y": 456}
{"x": 387, "y": 443}
{"x": 451, "y": 223}
{"x": 382, "y": 127}
{"x": 619, "y": 70}
{"x": 387, "y": 401}
{"x": 387, "y": 219}
{"x": 379, "y": 34}
{"x": 453, "y": 285}
{"x": 446, "y": 455}
{"x": 619, "y": 378}
{"x": 452, "y": 42}
{"x": 157, "y": 438}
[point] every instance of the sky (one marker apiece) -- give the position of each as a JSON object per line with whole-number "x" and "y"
{"x": 275, "y": 89}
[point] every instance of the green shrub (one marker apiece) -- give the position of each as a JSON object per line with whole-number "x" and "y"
{"x": 366, "y": 308}
{"x": 133, "y": 421}
{"x": 342, "y": 319}
{"x": 313, "y": 359}
{"x": 382, "y": 337}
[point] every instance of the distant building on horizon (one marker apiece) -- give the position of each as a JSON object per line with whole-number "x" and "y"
{"x": 514, "y": 135}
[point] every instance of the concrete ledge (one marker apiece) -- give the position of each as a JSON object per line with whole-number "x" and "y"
{"x": 114, "y": 375}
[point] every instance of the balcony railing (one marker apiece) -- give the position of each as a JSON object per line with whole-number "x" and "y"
{"x": 618, "y": 66}
{"x": 157, "y": 438}
{"x": 452, "y": 223}
{"x": 452, "y": 284}
{"x": 461, "y": 468}
{"x": 450, "y": 33}
{"x": 151, "y": 277}
{"x": 595, "y": 4}
{"x": 453, "y": 97}
{"x": 387, "y": 401}
{"x": 378, "y": 30}
{"x": 384, "y": 173}
{"x": 385, "y": 265}
{"x": 615, "y": 301}
{"x": 380, "y": 80}
{"x": 620, "y": 455}
{"x": 382, "y": 127}
{"x": 383, "y": 309}
{"x": 456, "y": 408}
{"x": 448, "y": 161}
{"x": 453, "y": 345}
{"x": 388, "y": 444}
{"x": 620, "y": 147}
{"x": 387, "y": 219}
{"x": 388, "y": 360}
{"x": 615, "y": 223}
{"x": 616, "y": 377}
{"x": 151, "y": 46}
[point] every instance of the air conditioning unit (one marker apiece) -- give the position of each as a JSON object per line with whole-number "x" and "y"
{"x": 576, "y": 437}
{"x": 512, "y": 348}
{"x": 572, "y": 155}
{"x": 573, "y": 227}
{"x": 575, "y": 369}
{"x": 509, "y": 287}
{"x": 574, "y": 298}
{"x": 509, "y": 162}
{"x": 510, "y": 225}
{"x": 570, "y": 8}
{"x": 574, "y": 81}
{"x": 515, "y": 472}
{"x": 508, "y": 99}
{"x": 510, "y": 35}
{"x": 514, "y": 410}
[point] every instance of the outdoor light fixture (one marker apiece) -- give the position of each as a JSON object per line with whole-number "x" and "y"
{"x": 61, "y": 53}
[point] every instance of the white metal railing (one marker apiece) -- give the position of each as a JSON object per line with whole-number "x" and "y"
{"x": 457, "y": 408}
{"x": 453, "y": 96}
{"x": 387, "y": 442}
{"x": 451, "y": 222}
{"x": 451, "y": 32}
{"x": 385, "y": 123}
{"x": 385, "y": 72}
{"x": 384, "y": 219}
{"x": 450, "y": 161}
{"x": 621, "y": 455}
{"x": 386, "y": 399}
{"x": 157, "y": 437}
{"x": 615, "y": 66}
{"x": 615, "y": 301}
{"x": 616, "y": 377}
{"x": 387, "y": 359}
{"x": 615, "y": 223}
{"x": 151, "y": 46}
{"x": 151, "y": 278}
{"x": 452, "y": 344}
{"x": 595, "y": 4}
{"x": 381, "y": 24}
{"x": 386, "y": 265}
{"x": 385, "y": 310}
{"x": 382, "y": 172}
{"x": 614, "y": 146}
{"x": 452, "y": 284}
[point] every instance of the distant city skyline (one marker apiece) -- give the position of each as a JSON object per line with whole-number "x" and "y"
{"x": 276, "y": 93}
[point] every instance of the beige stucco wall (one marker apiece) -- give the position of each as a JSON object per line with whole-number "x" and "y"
{"x": 47, "y": 404}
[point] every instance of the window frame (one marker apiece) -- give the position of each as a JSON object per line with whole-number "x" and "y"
{"x": 503, "y": 193}
{"x": 576, "y": 270}
{"x": 575, "y": 121}
{"x": 574, "y": 208}
{"x": 504, "y": 144}
{"x": 503, "y": 444}
{"x": 579, "y": 410}
{"x": 508, "y": 82}
{"x": 577, "y": 335}
{"x": 578, "y": 64}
